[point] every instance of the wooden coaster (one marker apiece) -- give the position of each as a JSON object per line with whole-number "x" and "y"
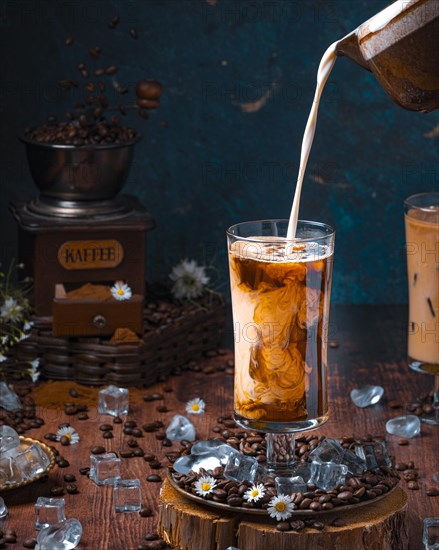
{"x": 188, "y": 526}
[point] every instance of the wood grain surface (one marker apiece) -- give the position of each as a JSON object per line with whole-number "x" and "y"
{"x": 372, "y": 350}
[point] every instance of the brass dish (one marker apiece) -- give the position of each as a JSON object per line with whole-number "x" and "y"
{"x": 24, "y": 443}
{"x": 262, "y": 512}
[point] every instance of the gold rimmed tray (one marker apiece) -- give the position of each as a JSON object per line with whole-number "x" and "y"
{"x": 263, "y": 512}
{"x": 24, "y": 443}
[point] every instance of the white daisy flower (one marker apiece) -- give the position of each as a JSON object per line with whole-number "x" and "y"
{"x": 205, "y": 485}
{"x": 23, "y": 336}
{"x": 11, "y": 310}
{"x": 35, "y": 374}
{"x": 281, "y": 507}
{"x": 195, "y": 406}
{"x": 189, "y": 280}
{"x": 121, "y": 291}
{"x": 28, "y": 325}
{"x": 2, "y": 358}
{"x": 68, "y": 432}
{"x": 255, "y": 493}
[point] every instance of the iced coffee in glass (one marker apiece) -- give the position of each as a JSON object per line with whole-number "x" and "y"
{"x": 422, "y": 245}
{"x": 280, "y": 300}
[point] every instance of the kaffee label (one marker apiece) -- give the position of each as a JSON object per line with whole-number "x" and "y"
{"x": 90, "y": 254}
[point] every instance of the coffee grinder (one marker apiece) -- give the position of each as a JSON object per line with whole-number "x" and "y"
{"x": 79, "y": 231}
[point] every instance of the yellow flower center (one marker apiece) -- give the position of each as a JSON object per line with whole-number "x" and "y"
{"x": 120, "y": 291}
{"x": 280, "y": 506}
{"x": 195, "y": 407}
{"x": 69, "y": 436}
{"x": 205, "y": 486}
{"x": 255, "y": 493}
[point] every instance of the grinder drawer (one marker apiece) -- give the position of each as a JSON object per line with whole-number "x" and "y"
{"x": 90, "y": 317}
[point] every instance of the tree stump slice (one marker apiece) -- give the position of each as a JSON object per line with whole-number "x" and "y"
{"x": 188, "y": 526}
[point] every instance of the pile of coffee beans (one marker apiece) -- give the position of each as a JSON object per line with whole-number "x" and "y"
{"x": 92, "y": 120}
{"x": 23, "y": 419}
{"x": 356, "y": 489}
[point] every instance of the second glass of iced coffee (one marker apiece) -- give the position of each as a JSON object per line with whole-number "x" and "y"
{"x": 280, "y": 299}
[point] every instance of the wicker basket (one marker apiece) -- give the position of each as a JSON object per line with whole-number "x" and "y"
{"x": 174, "y": 334}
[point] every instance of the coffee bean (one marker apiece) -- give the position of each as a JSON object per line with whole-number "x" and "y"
{"x": 283, "y": 526}
{"x": 64, "y": 441}
{"x": 10, "y": 539}
{"x": 155, "y": 464}
{"x": 30, "y": 543}
{"x": 83, "y": 416}
{"x": 413, "y": 485}
{"x": 72, "y": 489}
{"x": 111, "y": 70}
{"x": 107, "y": 435}
{"x": 338, "y": 522}
{"x": 145, "y": 512}
{"x": 132, "y": 443}
{"x": 137, "y": 432}
{"x": 318, "y": 525}
{"x": 401, "y": 466}
{"x": 70, "y": 410}
{"x": 316, "y": 506}
{"x": 162, "y": 408}
{"x": 127, "y": 453}
{"x": 57, "y": 491}
{"x": 432, "y": 491}
{"x": 149, "y": 457}
{"x": 138, "y": 451}
{"x": 97, "y": 450}
{"x": 117, "y": 420}
{"x": 84, "y": 471}
{"x": 154, "y": 478}
{"x": 166, "y": 442}
{"x": 69, "y": 478}
{"x": 133, "y": 33}
{"x": 345, "y": 495}
{"x": 105, "y": 427}
{"x": 160, "y": 436}
{"x": 297, "y": 525}
{"x": 305, "y": 503}
{"x": 50, "y": 436}
{"x": 234, "y": 500}
{"x": 63, "y": 463}
{"x": 403, "y": 442}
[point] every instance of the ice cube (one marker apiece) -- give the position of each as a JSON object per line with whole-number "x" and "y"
{"x": 301, "y": 469}
{"x": 218, "y": 456}
{"x": 127, "y": 495}
{"x": 431, "y": 533}
{"x": 3, "y": 509}
{"x": 180, "y": 428}
{"x": 8, "y": 470}
{"x": 9, "y": 440}
{"x": 206, "y": 446}
{"x": 330, "y": 450}
{"x": 30, "y": 461}
{"x": 404, "y": 426}
{"x": 49, "y": 511}
{"x": 61, "y": 536}
{"x": 374, "y": 454}
{"x": 327, "y": 475}
{"x": 113, "y": 401}
{"x": 366, "y": 395}
{"x": 287, "y": 485}
{"x": 9, "y": 400}
{"x": 104, "y": 469}
{"x": 240, "y": 467}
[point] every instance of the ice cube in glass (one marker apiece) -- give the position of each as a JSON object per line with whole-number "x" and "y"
{"x": 287, "y": 485}
{"x": 104, "y": 469}
{"x": 9, "y": 440}
{"x": 127, "y": 495}
{"x": 49, "y": 511}
{"x": 113, "y": 401}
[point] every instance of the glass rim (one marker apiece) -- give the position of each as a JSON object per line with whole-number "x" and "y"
{"x": 322, "y": 225}
{"x": 408, "y": 202}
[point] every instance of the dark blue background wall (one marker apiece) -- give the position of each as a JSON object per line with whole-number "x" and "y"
{"x": 239, "y": 79}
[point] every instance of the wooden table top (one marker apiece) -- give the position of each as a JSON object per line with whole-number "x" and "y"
{"x": 372, "y": 350}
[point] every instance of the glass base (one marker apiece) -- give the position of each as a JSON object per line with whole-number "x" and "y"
{"x": 280, "y": 427}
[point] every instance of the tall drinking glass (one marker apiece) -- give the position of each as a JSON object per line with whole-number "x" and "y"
{"x": 422, "y": 245}
{"x": 280, "y": 300}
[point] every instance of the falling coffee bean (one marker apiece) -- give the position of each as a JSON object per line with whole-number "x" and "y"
{"x": 114, "y": 21}
{"x": 133, "y": 34}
